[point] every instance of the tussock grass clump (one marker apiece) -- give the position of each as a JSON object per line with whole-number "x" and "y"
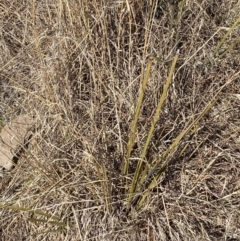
{"x": 137, "y": 119}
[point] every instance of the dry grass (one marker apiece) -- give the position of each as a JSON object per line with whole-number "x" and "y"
{"x": 76, "y": 67}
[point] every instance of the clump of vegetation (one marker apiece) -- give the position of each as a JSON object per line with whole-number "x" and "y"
{"x": 137, "y": 119}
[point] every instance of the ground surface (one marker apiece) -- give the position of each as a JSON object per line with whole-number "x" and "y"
{"x": 75, "y": 67}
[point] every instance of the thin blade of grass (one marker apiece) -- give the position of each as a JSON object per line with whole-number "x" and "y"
{"x": 19, "y": 208}
{"x": 226, "y": 35}
{"x": 105, "y": 184}
{"x": 237, "y": 41}
{"x": 136, "y": 115}
{"x": 107, "y": 191}
{"x": 173, "y": 146}
{"x": 157, "y": 114}
{"x": 137, "y": 173}
{"x": 35, "y": 220}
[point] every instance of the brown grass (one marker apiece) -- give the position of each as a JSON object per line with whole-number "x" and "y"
{"x": 75, "y": 66}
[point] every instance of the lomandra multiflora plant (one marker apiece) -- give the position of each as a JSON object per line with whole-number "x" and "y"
{"x": 147, "y": 175}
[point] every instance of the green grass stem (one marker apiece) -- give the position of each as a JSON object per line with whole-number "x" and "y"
{"x": 137, "y": 173}
{"x": 166, "y": 156}
{"x": 226, "y": 35}
{"x": 136, "y": 115}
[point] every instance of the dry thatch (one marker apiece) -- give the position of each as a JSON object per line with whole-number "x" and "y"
{"x": 75, "y": 66}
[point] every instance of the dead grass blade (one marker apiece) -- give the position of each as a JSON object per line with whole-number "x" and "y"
{"x": 107, "y": 190}
{"x": 105, "y": 184}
